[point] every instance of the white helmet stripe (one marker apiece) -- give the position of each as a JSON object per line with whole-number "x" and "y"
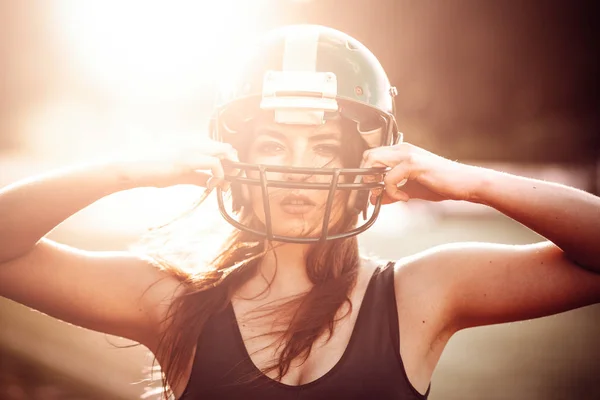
{"x": 300, "y": 48}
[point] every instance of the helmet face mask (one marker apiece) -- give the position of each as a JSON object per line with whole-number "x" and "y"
{"x": 305, "y": 76}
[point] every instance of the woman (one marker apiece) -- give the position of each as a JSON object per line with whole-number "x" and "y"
{"x": 305, "y": 138}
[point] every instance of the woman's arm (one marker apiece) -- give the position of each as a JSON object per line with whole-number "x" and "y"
{"x": 112, "y": 292}
{"x": 491, "y": 283}
{"x": 103, "y": 291}
{"x": 568, "y": 217}
{"x": 472, "y": 284}
{"x": 31, "y": 208}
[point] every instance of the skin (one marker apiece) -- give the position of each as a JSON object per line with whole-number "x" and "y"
{"x": 303, "y": 146}
{"x": 439, "y": 291}
{"x": 463, "y": 284}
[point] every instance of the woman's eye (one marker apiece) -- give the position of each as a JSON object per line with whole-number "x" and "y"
{"x": 327, "y": 149}
{"x": 270, "y": 148}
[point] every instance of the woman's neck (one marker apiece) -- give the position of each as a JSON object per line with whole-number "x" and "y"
{"x": 283, "y": 268}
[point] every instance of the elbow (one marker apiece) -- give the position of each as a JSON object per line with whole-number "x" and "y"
{"x": 586, "y": 263}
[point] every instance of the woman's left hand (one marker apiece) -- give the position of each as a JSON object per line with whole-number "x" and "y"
{"x": 418, "y": 174}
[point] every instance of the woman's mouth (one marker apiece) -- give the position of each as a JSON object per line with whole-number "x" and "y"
{"x": 296, "y": 204}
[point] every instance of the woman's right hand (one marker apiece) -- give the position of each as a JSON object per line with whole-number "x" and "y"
{"x": 198, "y": 165}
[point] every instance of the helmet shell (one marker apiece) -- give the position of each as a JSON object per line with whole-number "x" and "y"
{"x": 305, "y": 74}
{"x": 360, "y": 76}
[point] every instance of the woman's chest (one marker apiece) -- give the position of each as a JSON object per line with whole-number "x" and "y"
{"x": 239, "y": 348}
{"x": 266, "y": 344}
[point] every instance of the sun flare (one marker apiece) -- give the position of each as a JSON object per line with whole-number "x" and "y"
{"x": 153, "y": 49}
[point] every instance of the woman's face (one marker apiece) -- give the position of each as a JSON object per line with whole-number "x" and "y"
{"x": 296, "y": 212}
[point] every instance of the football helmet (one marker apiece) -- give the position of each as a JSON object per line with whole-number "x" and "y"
{"x": 305, "y": 75}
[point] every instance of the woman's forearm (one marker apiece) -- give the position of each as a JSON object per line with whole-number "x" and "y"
{"x": 31, "y": 208}
{"x": 568, "y": 217}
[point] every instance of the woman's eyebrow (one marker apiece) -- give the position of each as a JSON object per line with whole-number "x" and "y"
{"x": 313, "y": 138}
{"x": 271, "y": 132}
{"x": 324, "y": 136}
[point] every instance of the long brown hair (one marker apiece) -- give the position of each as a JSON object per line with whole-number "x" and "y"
{"x": 332, "y": 268}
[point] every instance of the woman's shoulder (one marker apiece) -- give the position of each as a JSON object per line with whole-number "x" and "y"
{"x": 372, "y": 262}
{"x": 413, "y": 275}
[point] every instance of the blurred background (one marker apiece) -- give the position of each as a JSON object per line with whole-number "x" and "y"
{"x": 512, "y": 85}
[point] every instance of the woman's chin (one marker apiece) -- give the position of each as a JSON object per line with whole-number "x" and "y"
{"x": 294, "y": 229}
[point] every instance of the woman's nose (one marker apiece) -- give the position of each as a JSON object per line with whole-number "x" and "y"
{"x": 297, "y": 177}
{"x": 300, "y": 159}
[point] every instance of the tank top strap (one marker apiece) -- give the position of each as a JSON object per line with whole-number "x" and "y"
{"x": 377, "y": 324}
{"x": 389, "y": 293}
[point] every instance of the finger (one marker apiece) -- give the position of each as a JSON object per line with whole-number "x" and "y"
{"x": 218, "y": 178}
{"x": 387, "y": 155}
{"x": 233, "y": 157}
{"x": 371, "y": 160}
{"x": 212, "y": 182}
{"x": 384, "y": 157}
{"x": 378, "y": 177}
{"x": 394, "y": 179}
{"x": 385, "y": 199}
{"x": 380, "y": 156}
{"x": 217, "y": 174}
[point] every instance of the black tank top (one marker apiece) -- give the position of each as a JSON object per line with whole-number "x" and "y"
{"x": 370, "y": 368}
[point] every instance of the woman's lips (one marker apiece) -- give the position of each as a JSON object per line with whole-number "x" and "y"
{"x": 297, "y": 208}
{"x": 296, "y": 199}
{"x": 296, "y": 204}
